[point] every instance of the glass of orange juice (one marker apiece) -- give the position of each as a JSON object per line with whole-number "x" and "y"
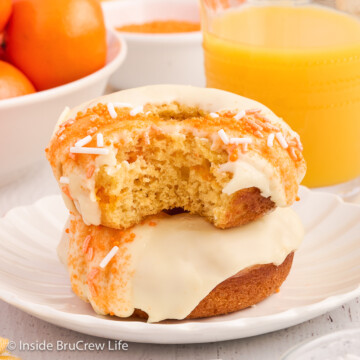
{"x": 301, "y": 58}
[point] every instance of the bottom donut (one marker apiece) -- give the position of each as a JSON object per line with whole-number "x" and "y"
{"x": 179, "y": 266}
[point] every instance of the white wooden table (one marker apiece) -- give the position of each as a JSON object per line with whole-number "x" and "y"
{"x": 19, "y": 326}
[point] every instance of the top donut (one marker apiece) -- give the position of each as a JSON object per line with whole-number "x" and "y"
{"x": 135, "y": 153}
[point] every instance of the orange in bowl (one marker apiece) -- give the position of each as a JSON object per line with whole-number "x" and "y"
{"x": 56, "y": 42}
{"x": 13, "y": 82}
{"x": 5, "y": 11}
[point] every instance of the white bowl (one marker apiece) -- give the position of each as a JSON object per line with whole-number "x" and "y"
{"x": 175, "y": 58}
{"x": 340, "y": 345}
{"x": 27, "y": 122}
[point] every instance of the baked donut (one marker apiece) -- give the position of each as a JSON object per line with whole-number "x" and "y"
{"x": 180, "y": 266}
{"x": 135, "y": 153}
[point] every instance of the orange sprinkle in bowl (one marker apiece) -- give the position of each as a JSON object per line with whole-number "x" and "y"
{"x": 161, "y": 27}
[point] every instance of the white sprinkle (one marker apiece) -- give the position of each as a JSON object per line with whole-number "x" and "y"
{"x": 89, "y": 150}
{"x": 240, "y": 115}
{"x": 148, "y": 113}
{"x": 122, "y": 105}
{"x": 100, "y": 140}
{"x": 64, "y": 180}
{"x": 111, "y": 109}
{"x": 223, "y": 136}
{"x": 281, "y": 140}
{"x": 214, "y": 115}
{"x": 83, "y": 141}
{"x": 137, "y": 110}
{"x": 259, "y": 133}
{"x": 108, "y": 257}
{"x": 240, "y": 141}
{"x": 245, "y": 147}
{"x": 270, "y": 140}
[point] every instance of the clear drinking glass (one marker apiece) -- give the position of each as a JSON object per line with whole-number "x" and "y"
{"x": 301, "y": 58}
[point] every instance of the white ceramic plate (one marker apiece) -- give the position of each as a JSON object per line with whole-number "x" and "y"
{"x": 325, "y": 274}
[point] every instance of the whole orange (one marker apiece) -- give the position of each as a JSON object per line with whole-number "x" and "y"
{"x": 13, "y": 82}
{"x": 5, "y": 11}
{"x": 56, "y": 41}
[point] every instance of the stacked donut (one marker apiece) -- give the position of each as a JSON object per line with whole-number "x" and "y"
{"x": 179, "y": 201}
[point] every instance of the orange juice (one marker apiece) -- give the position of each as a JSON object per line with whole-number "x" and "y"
{"x": 303, "y": 63}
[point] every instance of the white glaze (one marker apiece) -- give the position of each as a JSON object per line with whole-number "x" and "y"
{"x": 250, "y": 171}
